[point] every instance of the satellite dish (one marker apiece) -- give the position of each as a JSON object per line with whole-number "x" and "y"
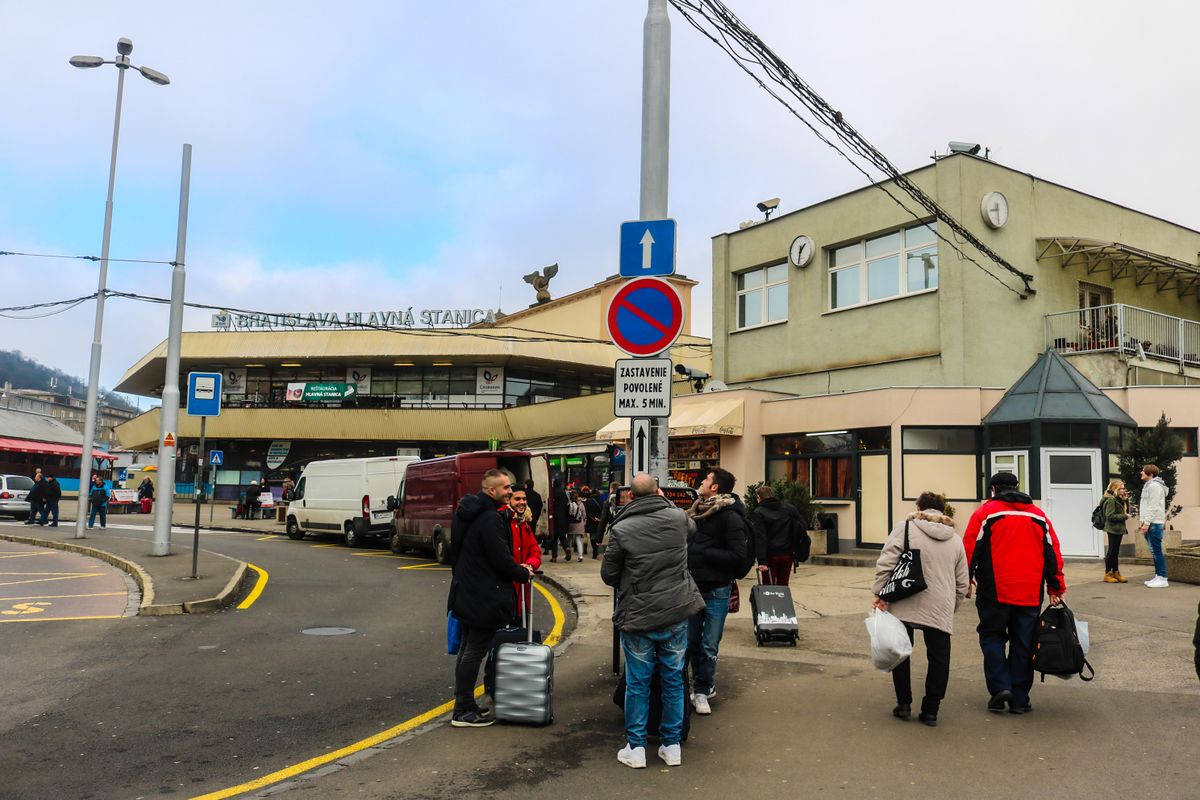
{"x": 715, "y": 385}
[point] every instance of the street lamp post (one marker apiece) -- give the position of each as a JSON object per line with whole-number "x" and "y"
{"x": 122, "y": 63}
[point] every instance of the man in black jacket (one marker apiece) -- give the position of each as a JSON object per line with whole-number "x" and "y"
{"x": 775, "y": 525}
{"x": 34, "y": 498}
{"x": 51, "y": 494}
{"x": 1196, "y": 640}
{"x": 716, "y": 552}
{"x": 481, "y": 587}
{"x": 535, "y": 505}
{"x": 560, "y": 520}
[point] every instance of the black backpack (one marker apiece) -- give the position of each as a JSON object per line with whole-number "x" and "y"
{"x": 1099, "y": 520}
{"x": 1056, "y": 649}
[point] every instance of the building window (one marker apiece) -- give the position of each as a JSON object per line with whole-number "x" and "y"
{"x": 944, "y": 460}
{"x": 762, "y": 296}
{"x": 1186, "y": 435}
{"x": 823, "y": 462}
{"x": 883, "y": 267}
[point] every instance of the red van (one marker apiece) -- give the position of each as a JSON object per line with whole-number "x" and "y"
{"x": 431, "y": 489}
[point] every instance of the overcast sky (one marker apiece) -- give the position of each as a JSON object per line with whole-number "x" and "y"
{"x": 382, "y": 155}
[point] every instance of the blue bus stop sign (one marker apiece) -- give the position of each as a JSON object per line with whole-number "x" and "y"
{"x": 647, "y": 248}
{"x": 204, "y": 394}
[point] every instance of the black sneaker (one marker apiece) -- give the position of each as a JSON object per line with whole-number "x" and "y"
{"x": 928, "y": 719}
{"x": 902, "y": 710}
{"x": 1025, "y": 709}
{"x": 471, "y": 719}
{"x": 999, "y": 700}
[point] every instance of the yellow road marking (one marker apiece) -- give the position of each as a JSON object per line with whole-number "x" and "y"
{"x": 425, "y": 565}
{"x": 62, "y": 577}
{"x": 19, "y": 609}
{"x": 379, "y": 738}
{"x": 10, "y": 554}
{"x": 62, "y": 596}
{"x": 268, "y": 538}
{"x": 390, "y": 555}
{"x": 335, "y": 544}
{"x": 54, "y": 619}
{"x": 258, "y": 587}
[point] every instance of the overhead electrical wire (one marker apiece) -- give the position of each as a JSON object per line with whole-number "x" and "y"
{"x": 88, "y": 258}
{"x": 716, "y": 22}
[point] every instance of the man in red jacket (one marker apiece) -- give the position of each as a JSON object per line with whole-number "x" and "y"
{"x": 1013, "y": 552}
{"x": 524, "y": 543}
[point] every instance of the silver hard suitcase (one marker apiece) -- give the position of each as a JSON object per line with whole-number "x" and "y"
{"x": 524, "y": 690}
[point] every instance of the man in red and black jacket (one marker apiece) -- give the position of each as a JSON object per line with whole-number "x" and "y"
{"x": 525, "y": 546}
{"x": 1014, "y": 556}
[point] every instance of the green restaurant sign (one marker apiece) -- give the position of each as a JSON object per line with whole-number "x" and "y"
{"x": 320, "y": 392}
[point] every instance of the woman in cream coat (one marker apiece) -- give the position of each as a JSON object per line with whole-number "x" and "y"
{"x": 944, "y": 564}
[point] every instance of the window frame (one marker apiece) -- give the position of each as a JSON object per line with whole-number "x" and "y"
{"x": 901, "y": 252}
{"x": 977, "y": 451}
{"x": 765, "y": 289}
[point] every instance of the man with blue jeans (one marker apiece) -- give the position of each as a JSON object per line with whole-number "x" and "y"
{"x": 646, "y": 561}
{"x": 1152, "y": 513}
{"x": 716, "y": 551}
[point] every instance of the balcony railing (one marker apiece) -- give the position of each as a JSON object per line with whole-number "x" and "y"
{"x": 1128, "y": 329}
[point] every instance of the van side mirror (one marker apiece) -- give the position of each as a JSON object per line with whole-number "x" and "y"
{"x": 392, "y": 504}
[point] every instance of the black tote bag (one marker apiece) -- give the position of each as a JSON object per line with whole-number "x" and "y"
{"x": 907, "y": 578}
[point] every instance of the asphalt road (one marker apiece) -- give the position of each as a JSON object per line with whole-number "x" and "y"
{"x": 192, "y": 704}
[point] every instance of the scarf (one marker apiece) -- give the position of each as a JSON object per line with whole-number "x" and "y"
{"x": 702, "y": 509}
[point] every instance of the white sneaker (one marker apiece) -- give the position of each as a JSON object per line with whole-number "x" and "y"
{"x": 632, "y": 756}
{"x": 1158, "y": 582}
{"x": 700, "y": 704}
{"x": 671, "y": 754}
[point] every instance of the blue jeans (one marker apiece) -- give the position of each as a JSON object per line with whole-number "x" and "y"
{"x": 1154, "y": 537}
{"x": 1002, "y": 624}
{"x": 704, "y": 638}
{"x": 102, "y": 511}
{"x": 666, "y": 650}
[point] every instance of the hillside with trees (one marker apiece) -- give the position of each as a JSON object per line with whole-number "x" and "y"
{"x": 24, "y": 373}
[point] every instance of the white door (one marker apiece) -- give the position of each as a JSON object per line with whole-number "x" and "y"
{"x": 1071, "y": 489}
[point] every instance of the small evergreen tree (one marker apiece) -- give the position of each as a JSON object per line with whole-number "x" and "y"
{"x": 1158, "y": 446}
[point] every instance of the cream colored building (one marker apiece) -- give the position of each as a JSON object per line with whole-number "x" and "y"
{"x": 866, "y": 359}
{"x": 539, "y": 379}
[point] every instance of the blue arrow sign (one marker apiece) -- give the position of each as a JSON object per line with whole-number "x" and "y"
{"x": 216, "y": 457}
{"x": 648, "y": 248}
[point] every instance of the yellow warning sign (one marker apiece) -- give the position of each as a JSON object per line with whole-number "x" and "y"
{"x": 169, "y": 440}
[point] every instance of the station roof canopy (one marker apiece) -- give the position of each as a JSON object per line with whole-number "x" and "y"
{"x": 711, "y": 415}
{"x": 1123, "y": 261}
{"x": 1054, "y": 391}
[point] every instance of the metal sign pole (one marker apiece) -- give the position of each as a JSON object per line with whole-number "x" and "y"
{"x": 199, "y": 488}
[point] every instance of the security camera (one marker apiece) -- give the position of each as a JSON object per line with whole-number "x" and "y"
{"x": 691, "y": 374}
{"x": 965, "y": 147}
{"x": 124, "y": 46}
{"x": 767, "y": 206}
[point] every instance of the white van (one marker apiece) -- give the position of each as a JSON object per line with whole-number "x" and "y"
{"x": 347, "y": 496}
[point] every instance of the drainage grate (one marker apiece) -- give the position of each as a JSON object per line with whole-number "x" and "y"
{"x": 327, "y": 631}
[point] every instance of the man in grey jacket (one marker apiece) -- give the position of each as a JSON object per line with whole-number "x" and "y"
{"x": 1152, "y": 514}
{"x": 647, "y": 562}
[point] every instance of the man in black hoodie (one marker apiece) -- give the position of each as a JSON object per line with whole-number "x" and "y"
{"x": 481, "y": 587}
{"x": 716, "y": 552}
{"x": 51, "y": 494}
{"x": 776, "y": 525}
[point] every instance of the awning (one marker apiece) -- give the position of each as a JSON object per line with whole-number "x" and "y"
{"x": 707, "y": 417}
{"x": 1123, "y": 261}
{"x": 567, "y": 444}
{"x": 48, "y": 448}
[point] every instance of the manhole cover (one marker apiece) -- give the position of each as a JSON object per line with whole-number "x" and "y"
{"x": 327, "y": 631}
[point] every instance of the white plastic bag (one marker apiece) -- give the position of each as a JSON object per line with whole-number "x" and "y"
{"x": 889, "y": 640}
{"x": 1081, "y": 630}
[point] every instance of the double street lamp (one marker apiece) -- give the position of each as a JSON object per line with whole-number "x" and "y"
{"x": 122, "y": 63}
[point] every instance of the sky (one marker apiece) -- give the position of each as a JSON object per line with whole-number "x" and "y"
{"x": 379, "y": 155}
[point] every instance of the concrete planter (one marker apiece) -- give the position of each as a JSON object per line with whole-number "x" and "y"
{"x": 1171, "y": 539}
{"x": 1183, "y": 564}
{"x": 820, "y": 542}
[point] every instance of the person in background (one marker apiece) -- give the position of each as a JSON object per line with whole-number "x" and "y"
{"x": 576, "y": 525}
{"x": 560, "y": 520}
{"x": 252, "y": 500}
{"x": 288, "y": 486}
{"x": 716, "y": 550}
{"x": 535, "y": 505}
{"x": 98, "y": 502}
{"x": 51, "y": 494}
{"x": 1012, "y": 553}
{"x": 1196, "y": 641}
{"x": 1115, "y": 507}
{"x": 944, "y": 565}
{"x": 608, "y": 510}
{"x": 646, "y": 562}
{"x": 1152, "y": 513}
{"x": 34, "y": 498}
{"x": 591, "y": 526}
{"x": 775, "y": 525}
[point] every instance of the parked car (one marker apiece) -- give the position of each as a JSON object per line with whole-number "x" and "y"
{"x": 346, "y": 496}
{"x": 425, "y": 500}
{"x": 13, "y": 491}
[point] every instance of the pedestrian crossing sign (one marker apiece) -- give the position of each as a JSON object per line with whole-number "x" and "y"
{"x": 216, "y": 457}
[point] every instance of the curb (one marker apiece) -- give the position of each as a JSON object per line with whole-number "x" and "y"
{"x": 148, "y": 607}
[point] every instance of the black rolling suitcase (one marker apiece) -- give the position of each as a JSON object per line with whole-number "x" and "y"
{"x": 774, "y": 614}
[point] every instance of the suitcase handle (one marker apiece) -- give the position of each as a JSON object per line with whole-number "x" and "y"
{"x": 529, "y": 612}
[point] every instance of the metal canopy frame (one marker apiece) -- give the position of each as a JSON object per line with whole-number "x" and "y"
{"x": 1123, "y": 261}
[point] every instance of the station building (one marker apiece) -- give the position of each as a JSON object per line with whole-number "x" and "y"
{"x": 859, "y": 353}
{"x": 539, "y": 379}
